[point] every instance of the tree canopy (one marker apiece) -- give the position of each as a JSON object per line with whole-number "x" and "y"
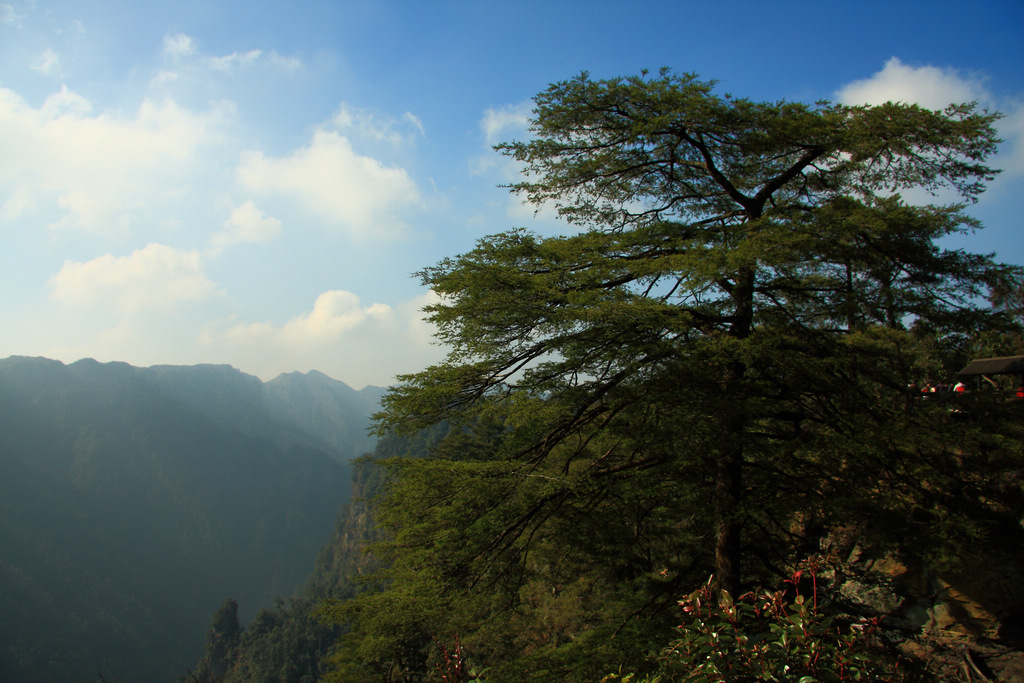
{"x": 703, "y": 378}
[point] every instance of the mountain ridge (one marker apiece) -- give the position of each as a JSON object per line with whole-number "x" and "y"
{"x": 135, "y": 500}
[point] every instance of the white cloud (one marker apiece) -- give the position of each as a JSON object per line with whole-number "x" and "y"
{"x": 928, "y": 86}
{"x": 935, "y": 88}
{"x": 360, "y": 344}
{"x": 93, "y": 209}
{"x": 156, "y": 276}
{"x": 47, "y": 61}
{"x": 500, "y": 125}
{"x": 99, "y": 169}
{"x": 504, "y": 122}
{"x": 247, "y": 224}
{"x": 178, "y": 45}
{"x": 336, "y": 314}
{"x": 330, "y": 178}
{"x": 421, "y": 331}
{"x": 1011, "y": 157}
{"x": 64, "y": 104}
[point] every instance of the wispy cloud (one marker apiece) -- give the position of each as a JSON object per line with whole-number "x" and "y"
{"x": 500, "y": 125}
{"x": 178, "y": 45}
{"x": 184, "y": 52}
{"x": 47, "y": 62}
{"x": 235, "y": 60}
{"x": 505, "y": 122}
{"x": 9, "y": 15}
{"x": 363, "y": 125}
{"x": 284, "y": 62}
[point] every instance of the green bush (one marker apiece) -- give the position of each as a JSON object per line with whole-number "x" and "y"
{"x": 767, "y": 635}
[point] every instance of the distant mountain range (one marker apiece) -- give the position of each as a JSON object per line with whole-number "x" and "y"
{"x": 134, "y": 501}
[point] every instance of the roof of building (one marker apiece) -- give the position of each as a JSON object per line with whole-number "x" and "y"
{"x": 1005, "y": 365}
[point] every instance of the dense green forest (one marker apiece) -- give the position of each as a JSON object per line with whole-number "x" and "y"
{"x": 135, "y": 500}
{"x": 717, "y": 376}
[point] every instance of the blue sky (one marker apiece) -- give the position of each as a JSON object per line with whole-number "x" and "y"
{"x": 254, "y": 183}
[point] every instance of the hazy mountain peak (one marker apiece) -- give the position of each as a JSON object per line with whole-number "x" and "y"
{"x": 139, "y": 498}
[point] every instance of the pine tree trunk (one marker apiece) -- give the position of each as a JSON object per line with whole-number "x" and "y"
{"x": 728, "y": 487}
{"x": 729, "y": 464}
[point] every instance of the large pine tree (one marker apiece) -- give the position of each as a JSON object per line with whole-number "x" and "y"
{"x": 714, "y": 368}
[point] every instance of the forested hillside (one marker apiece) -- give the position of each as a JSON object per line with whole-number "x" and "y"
{"x": 291, "y": 641}
{"x": 325, "y": 408}
{"x": 956, "y": 615}
{"x": 136, "y": 500}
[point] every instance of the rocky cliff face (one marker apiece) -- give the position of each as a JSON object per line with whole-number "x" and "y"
{"x": 346, "y": 557}
{"x": 288, "y": 642}
{"x": 962, "y": 625}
